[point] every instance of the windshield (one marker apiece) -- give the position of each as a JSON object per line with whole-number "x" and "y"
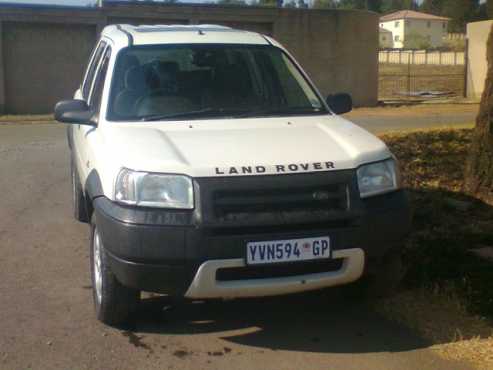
{"x": 176, "y": 82}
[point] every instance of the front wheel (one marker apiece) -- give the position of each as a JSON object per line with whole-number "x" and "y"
{"x": 115, "y": 304}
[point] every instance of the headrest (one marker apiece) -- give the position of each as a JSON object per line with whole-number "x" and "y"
{"x": 233, "y": 76}
{"x": 129, "y": 61}
{"x": 135, "y": 79}
{"x": 168, "y": 67}
{"x": 166, "y": 72}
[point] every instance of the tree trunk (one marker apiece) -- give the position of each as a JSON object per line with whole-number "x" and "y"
{"x": 479, "y": 170}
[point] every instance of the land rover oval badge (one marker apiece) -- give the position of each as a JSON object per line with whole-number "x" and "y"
{"x": 320, "y": 195}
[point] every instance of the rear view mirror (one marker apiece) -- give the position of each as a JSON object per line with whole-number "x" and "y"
{"x": 75, "y": 112}
{"x": 340, "y": 103}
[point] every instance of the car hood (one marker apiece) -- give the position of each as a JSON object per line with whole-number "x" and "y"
{"x": 260, "y": 146}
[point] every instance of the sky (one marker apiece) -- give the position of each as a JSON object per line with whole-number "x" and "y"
{"x": 75, "y": 2}
{"x": 70, "y": 2}
{"x": 52, "y": 2}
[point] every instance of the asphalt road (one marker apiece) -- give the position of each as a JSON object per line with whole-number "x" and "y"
{"x": 46, "y": 313}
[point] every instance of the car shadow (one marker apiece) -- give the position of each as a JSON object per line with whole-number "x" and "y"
{"x": 323, "y": 322}
{"x": 332, "y": 321}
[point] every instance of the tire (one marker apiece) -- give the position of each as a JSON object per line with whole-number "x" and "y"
{"x": 78, "y": 198}
{"x": 114, "y": 303}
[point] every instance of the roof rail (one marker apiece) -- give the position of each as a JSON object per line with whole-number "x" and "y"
{"x": 128, "y": 34}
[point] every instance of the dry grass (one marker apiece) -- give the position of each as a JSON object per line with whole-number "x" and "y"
{"x": 447, "y": 223}
{"x": 441, "y": 318}
{"x": 421, "y": 110}
{"x": 448, "y": 291}
{"x": 26, "y": 119}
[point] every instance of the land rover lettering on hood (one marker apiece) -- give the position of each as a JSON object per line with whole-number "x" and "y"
{"x": 209, "y": 166}
{"x": 278, "y": 168}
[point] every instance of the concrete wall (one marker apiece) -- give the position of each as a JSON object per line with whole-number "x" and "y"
{"x": 477, "y": 65}
{"x": 339, "y": 49}
{"x": 38, "y": 71}
{"x": 45, "y": 50}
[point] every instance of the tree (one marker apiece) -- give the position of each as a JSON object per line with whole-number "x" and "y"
{"x": 302, "y": 4}
{"x": 269, "y": 3}
{"x": 432, "y": 6}
{"x": 416, "y": 41}
{"x": 482, "y": 13}
{"x": 389, "y": 6}
{"x": 324, "y": 4}
{"x": 352, "y": 4}
{"x": 479, "y": 169}
{"x": 374, "y": 5}
{"x": 232, "y": 2}
{"x": 290, "y": 4}
{"x": 461, "y": 12}
{"x": 410, "y": 4}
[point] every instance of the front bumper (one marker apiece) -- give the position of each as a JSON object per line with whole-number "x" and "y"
{"x": 175, "y": 253}
{"x": 206, "y": 285}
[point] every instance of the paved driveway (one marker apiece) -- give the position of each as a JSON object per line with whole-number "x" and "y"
{"x": 47, "y": 319}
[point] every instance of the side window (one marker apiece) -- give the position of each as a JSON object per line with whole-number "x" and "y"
{"x": 86, "y": 87}
{"x": 97, "y": 91}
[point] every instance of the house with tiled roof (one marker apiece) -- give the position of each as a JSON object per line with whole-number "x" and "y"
{"x": 404, "y": 23}
{"x": 385, "y": 38}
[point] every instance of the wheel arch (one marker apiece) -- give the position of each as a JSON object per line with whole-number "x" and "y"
{"x": 92, "y": 189}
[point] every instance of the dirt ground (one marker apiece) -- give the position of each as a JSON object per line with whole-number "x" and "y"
{"x": 419, "y": 69}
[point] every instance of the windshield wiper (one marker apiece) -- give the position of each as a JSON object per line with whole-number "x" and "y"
{"x": 281, "y": 111}
{"x": 196, "y": 113}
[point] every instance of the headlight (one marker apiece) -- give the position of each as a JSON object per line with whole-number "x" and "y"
{"x": 154, "y": 190}
{"x": 379, "y": 177}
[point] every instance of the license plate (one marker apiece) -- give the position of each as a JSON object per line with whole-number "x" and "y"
{"x": 276, "y": 251}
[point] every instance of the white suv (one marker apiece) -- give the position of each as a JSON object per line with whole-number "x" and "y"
{"x": 209, "y": 166}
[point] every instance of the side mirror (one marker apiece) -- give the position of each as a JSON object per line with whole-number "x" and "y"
{"x": 340, "y": 103}
{"x": 75, "y": 112}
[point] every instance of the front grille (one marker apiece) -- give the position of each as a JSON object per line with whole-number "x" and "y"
{"x": 230, "y": 205}
{"x": 277, "y": 271}
{"x": 279, "y": 229}
{"x": 321, "y": 199}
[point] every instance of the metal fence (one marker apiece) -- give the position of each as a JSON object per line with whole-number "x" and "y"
{"x": 421, "y": 84}
{"x": 422, "y": 57}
